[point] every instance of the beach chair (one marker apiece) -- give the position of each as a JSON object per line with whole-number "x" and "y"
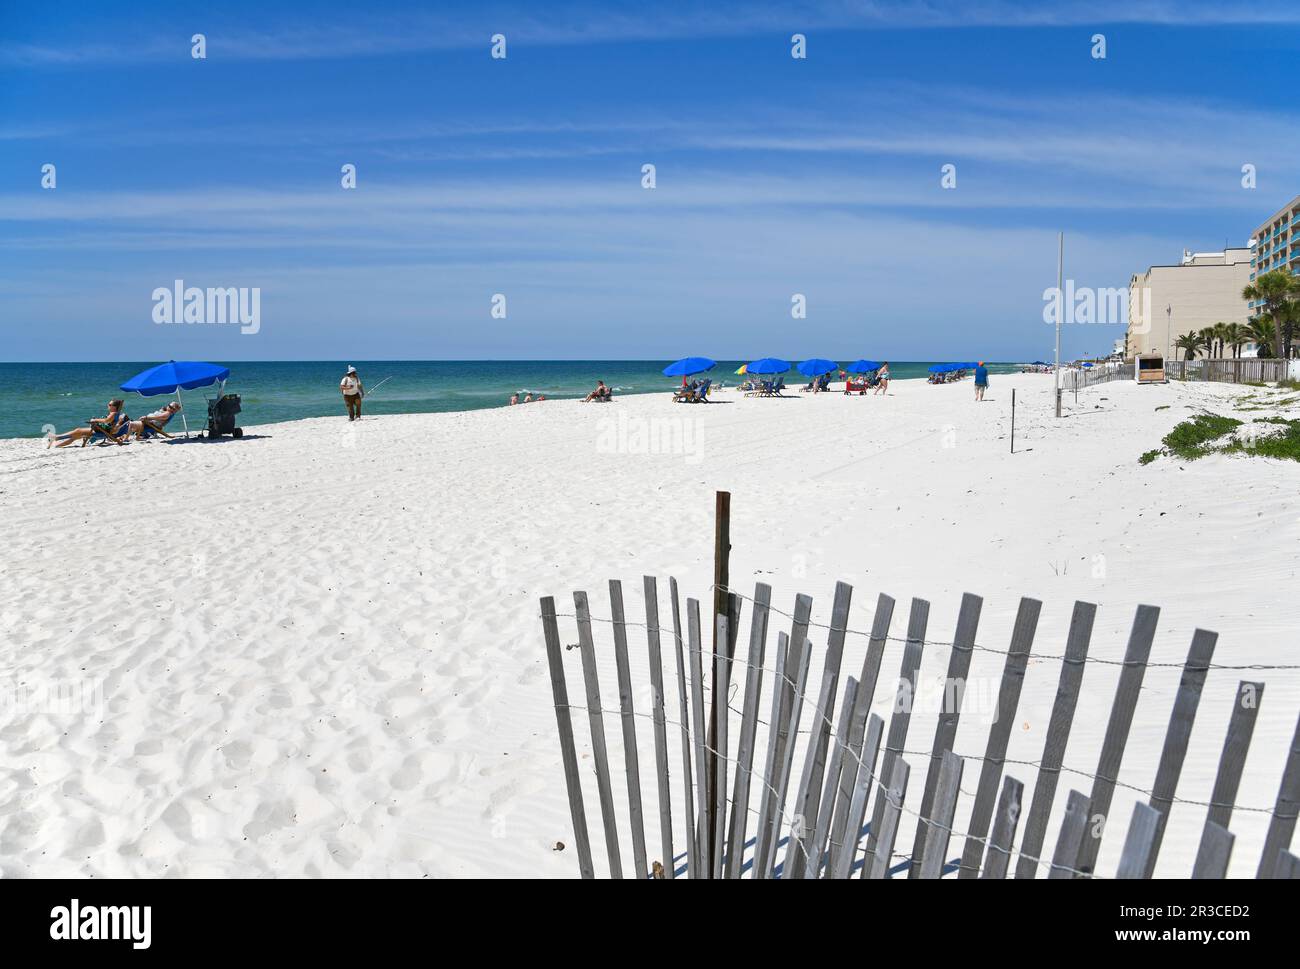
{"x": 105, "y": 433}
{"x": 684, "y": 395}
{"x": 701, "y": 395}
{"x": 154, "y": 428}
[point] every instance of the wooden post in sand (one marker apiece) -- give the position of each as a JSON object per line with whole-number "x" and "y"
{"x": 721, "y": 587}
{"x": 1013, "y": 420}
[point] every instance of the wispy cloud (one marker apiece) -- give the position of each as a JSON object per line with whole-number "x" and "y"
{"x": 368, "y": 34}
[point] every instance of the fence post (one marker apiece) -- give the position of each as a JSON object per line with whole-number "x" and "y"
{"x": 1285, "y": 810}
{"x": 765, "y": 799}
{"x": 599, "y": 753}
{"x": 945, "y": 808}
{"x": 826, "y": 810}
{"x": 1215, "y": 851}
{"x": 568, "y": 750}
{"x": 1069, "y": 843}
{"x": 703, "y": 860}
{"x": 651, "y": 592}
{"x": 1179, "y": 732}
{"x": 1058, "y": 734}
{"x": 945, "y": 731}
{"x": 631, "y": 756}
{"x": 721, "y": 588}
{"x": 748, "y": 727}
{"x": 684, "y": 721}
{"x": 1137, "y": 857}
{"x": 1117, "y": 728}
{"x": 898, "y": 723}
{"x": 892, "y": 800}
{"x": 1241, "y": 725}
{"x": 998, "y": 856}
{"x": 1013, "y": 677}
{"x": 808, "y": 799}
{"x": 842, "y": 856}
{"x": 722, "y": 675}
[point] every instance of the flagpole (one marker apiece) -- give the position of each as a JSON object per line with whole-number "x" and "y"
{"x": 1060, "y": 309}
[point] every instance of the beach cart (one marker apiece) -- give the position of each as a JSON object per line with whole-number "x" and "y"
{"x": 221, "y": 415}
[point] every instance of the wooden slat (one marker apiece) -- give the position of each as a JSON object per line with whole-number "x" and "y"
{"x": 789, "y": 730}
{"x": 1065, "y": 860}
{"x": 808, "y": 798}
{"x": 651, "y": 592}
{"x": 902, "y": 715}
{"x": 722, "y": 676}
{"x": 1135, "y": 858}
{"x": 998, "y": 857}
{"x": 796, "y": 855}
{"x": 1286, "y": 865}
{"x": 599, "y": 753}
{"x": 849, "y": 767}
{"x": 1285, "y": 811}
{"x": 1179, "y": 733}
{"x": 838, "y": 752}
{"x": 1215, "y": 852}
{"x": 748, "y": 728}
{"x": 893, "y": 808}
{"x": 1058, "y": 735}
{"x": 939, "y": 830}
{"x": 768, "y": 779}
{"x": 1241, "y": 725}
{"x": 1013, "y": 677}
{"x": 792, "y": 700}
{"x": 684, "y": 718}
{"x": 568, "y": 750}
{"x": 631, "y": 755}
{"x": 945, "y": 731}
{"x": 867, "y": 780}
{"x": 695, "y": 657}
{"x": 1117, "y": 728}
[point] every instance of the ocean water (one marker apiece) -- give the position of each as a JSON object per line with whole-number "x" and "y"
{"x": 66, "y": 395}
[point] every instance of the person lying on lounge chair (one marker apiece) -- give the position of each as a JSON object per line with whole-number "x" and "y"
{"x": 111, "y": 426}
{"x": 152, "y": 424}
{"x": 686, "y": 392}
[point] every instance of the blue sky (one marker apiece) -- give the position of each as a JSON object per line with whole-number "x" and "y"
{"x": 522, "y": 176}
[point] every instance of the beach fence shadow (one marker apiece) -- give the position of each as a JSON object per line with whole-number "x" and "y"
{"x": 827, "y": 795}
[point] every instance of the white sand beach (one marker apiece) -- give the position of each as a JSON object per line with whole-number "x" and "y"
{"x": 317, "y": 650}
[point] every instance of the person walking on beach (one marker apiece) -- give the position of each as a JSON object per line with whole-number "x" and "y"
{"x": 352, "y": 391}
{"x": 883, "y": 377}
{"x": 981, "y": 380}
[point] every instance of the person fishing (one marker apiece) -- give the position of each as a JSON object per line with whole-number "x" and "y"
{"x": 352, "y": 391}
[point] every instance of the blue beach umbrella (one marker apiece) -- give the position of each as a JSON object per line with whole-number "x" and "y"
{"x": 172, "y": 377}
{"x": 817, "y": 366}
{"x": 688, "y": 366}
{"x": 862, "y": 366}
{"x": 769, "y": 365}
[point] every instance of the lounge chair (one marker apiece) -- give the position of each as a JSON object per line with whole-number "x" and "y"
{"x": 153, "y": 428}
{"x": 103, "y": 432}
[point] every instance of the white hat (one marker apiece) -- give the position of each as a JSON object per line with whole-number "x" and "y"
{"x": 352, "y": 369}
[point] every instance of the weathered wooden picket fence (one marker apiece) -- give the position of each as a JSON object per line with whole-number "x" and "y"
{"x": 851, "y": 793}
{"x": 1237, "y": 370}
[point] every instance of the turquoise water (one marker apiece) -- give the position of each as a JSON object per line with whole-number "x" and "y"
{"x": 68, "y": 394}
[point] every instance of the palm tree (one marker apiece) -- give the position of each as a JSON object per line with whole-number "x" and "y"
{"x": 1277, "y": 290}
{"x": 1189, "y": 343}
{"x": 1236, "y": 335}
{"x": 1261, "y": 331}
{"x": 1206, "y": 336}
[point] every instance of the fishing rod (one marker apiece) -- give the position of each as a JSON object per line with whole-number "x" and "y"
{"x": 371, "y": 391}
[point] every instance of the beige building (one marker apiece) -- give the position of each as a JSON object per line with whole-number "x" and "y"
{"x": 1166, "y": 302}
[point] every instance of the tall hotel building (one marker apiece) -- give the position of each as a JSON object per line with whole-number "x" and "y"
{"x": 1277, "y": 243}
